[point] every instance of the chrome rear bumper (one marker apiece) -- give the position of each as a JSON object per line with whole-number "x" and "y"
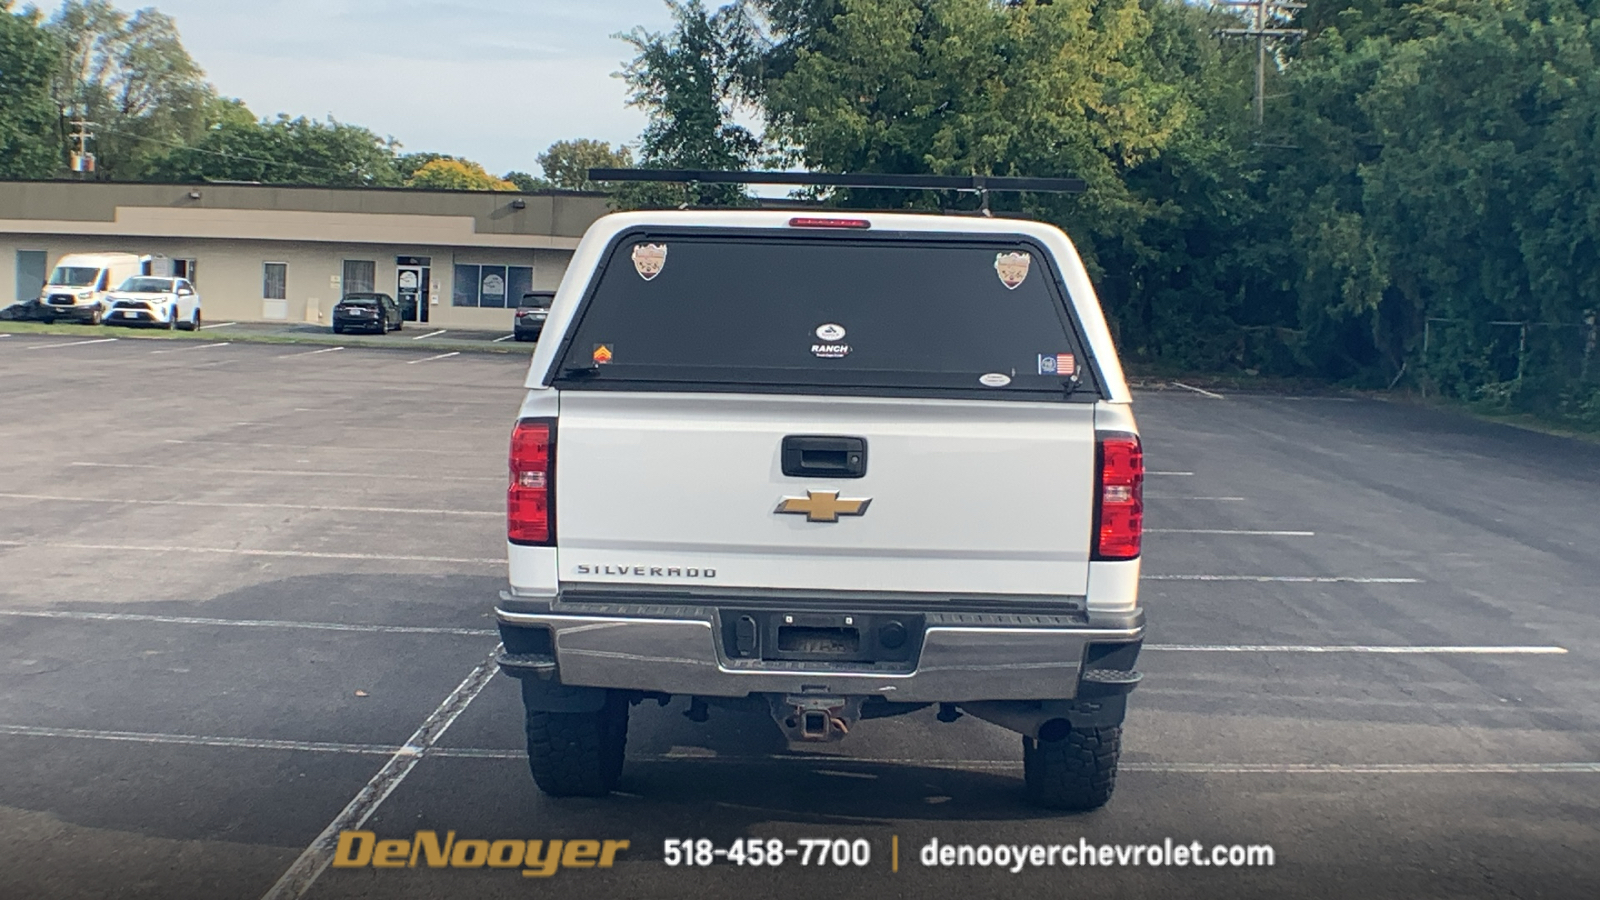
{"x": 681, "y": 656}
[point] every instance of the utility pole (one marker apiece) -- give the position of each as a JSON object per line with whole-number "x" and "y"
{"x": 79, "y": 159}
{"x": 1265, "y": 19}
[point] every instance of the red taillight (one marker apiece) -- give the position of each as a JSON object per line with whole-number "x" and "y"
{"x": 530, "y": 508}
{"x": 1119, "y": 495}
{"x": 821, "y": 222}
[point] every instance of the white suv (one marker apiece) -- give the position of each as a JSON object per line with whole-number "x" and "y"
{"x": 155, "y": 300}
{"x": 761, "y": 465}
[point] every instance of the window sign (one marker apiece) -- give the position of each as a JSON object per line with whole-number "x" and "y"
{"x": 492, "y": 287}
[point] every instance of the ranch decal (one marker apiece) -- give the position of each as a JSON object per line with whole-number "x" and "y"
{"x": 536, "y": 859}
{"x": 1012, "y": 268}
{"x": 649, "y": 259}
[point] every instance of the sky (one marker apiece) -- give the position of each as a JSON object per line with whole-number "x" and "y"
{"x": 495, "y": 81}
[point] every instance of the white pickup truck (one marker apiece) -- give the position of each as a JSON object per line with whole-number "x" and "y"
{"x": 833, "y": 466}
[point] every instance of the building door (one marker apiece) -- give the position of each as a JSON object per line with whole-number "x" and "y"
{"x": 413, "y": 275}
{"x": 31, "y": 271}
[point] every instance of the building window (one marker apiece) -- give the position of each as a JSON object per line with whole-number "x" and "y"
{"x": 492, "y": 287}
{"x": 185, "y": 268}
{"x": 360, "y": 276}
{"x": 275, "y": 281}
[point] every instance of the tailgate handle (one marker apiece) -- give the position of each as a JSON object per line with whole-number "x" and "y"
{"x": 820, "y": 456}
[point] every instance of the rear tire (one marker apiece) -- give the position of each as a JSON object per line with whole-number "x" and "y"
{"x": 1076, "y": 773}
{"x": 578, "y": 754}
{"x": 338, "y": 329}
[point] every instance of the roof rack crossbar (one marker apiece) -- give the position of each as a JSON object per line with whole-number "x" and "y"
{"x": 980, "y": 184}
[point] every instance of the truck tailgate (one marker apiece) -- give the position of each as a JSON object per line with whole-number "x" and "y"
{"x": 682, "y": 490}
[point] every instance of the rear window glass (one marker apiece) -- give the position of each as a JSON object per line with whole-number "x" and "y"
{"x": 540, "y": 300}
{"x": 360, "y": 301}
{"x": 939, "y": 316}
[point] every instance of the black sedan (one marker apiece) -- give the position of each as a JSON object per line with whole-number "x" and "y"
{"x": 377, "y": 313}
{"x": 531, "y": 315}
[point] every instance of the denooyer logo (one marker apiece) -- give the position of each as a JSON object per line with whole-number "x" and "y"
{"x": 536, "y": 859}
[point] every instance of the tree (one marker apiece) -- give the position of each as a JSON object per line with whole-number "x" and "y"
{"x": 689, "y": 83}
{"x": 237, "y": 147}
{"x": 527, "y": 183}
{"x": 566, "y": 164}
{"x": 29, "y": 134}
{"x": 457, "y": 175}
{"x": 132, "y": 77}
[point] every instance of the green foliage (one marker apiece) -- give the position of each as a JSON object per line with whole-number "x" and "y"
{"x": 236, "y": 147}
{"x": 30, "y": 145}
{"x": 566, "y": 164}
{"x": 688, "y": 82}
{"x": 132, "y": 77}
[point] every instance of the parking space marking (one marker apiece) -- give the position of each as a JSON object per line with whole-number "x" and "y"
{"x": 1229, "y": 531}
{"x": 1159, "y": 768}
{"x": 1201, "y": 391}
{"x": 1287, "y": 579}
{"x": 316, "y": 858}
{"x": 194, "y": 740}
{"x": 1215, "y": 499}
{"x": 218, "y": 325}
{"x": 431, "y": 358}
{"x": 365, "y": 476}
{"x": 341, "y": 447}
{"x": 499, "y": 339}
{"x": 310, "y": 352}
{"x": 71, "y": 344}
{"x": 85, "y": 616}
{"x": 430, "y": 334}
{"x": 240, "y": 551}
{"x": 1550, "y": 650}
{"x": 205, "y": 346}
{"x": 386, "y": 510}
{"x": 1170, "y": 473}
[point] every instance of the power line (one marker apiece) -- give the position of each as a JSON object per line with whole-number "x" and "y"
{"x": 1264, "y": 24}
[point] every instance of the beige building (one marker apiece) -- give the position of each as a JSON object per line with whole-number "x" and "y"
{"x": 273, "y": 253}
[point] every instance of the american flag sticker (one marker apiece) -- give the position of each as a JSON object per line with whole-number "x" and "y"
{"x": 1057, "y": 364}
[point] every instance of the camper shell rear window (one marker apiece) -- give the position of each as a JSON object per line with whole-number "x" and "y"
{"x": 788, "y": 311}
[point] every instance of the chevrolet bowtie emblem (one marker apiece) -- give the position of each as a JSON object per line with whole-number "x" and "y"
{"x": 823, "y": 506}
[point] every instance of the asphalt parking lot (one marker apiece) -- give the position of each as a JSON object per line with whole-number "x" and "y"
{"x": 236, "y": 580}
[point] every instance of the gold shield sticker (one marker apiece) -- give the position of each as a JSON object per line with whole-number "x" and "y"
{"x": 649, "y": 259}
{"x": 1012, "y": 268}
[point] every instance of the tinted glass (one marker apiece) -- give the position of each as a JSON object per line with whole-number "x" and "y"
{"x": 359, "y": 301}
{"x": 74, "y": 276}
{"x": 783, "y": 311}
{"x": 146, "y": 285}
{"x": 540, "y": 300}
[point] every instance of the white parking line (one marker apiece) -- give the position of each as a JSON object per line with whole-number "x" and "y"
{"x": 242, "y": 623}
{"x": 386, "y": 510}
{"x": 239, "y": 551}
{"x": 297, "y": 881}
{"x": 218, "y": 325}
{"x": 1228, "y": 531}
{"x": 430, "y": 358}
{"x": 365, "y": 476}
{"x": 193, "y": 347}
{"x": 310, "y": 352}
{"x": 70, "y": 344}
{"x": 486, "y": 753}
{"x": 1288, "y": 579}
{"x": 1214, "y": 499}
{"x": 1169, "y": 473}
{"x": 499, "y": 339}
{"x": 423, "y": 337}
{"x": 266, "y": 446}
{"x": 1358, "y": 648}
{"x": 1198, "y": 390}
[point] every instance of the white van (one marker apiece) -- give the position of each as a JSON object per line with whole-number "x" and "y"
{"x": 78, "y": 285}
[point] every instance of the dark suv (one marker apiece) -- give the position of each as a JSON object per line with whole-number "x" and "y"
{"x": 531, "y": 313}
{"x": 377, "y": 313}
